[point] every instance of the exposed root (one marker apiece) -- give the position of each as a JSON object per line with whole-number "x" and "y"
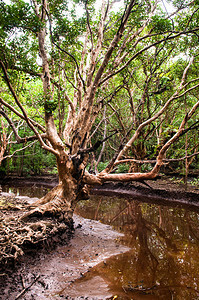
{"x": 19, "y": 234}
{"x": 57, "y": 208}
{"x": 55, "y": 192}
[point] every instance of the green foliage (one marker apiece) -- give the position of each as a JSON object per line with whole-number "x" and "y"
{"x": 68, "y": 29}
{"x": 31, "y": 161}
{"x": 195, "y": 182}
{"x": 122, "y": 168}
{"x": 50, "y": 105}
{"x": 180, "y": 3}
{"x": 131, "y": 96}
{"x": 161, "y": 24}
{"x": 101, "y": 166}
{"x": 87, "y": 2}
{"x": 18, "y": 15}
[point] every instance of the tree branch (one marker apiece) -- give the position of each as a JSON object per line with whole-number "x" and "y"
{"x": 88, "y": 22}
{"x": 96, "y": 145}
{"x": 21, "y": 149}
{"x": 24, "y": 112}
{"x": 143, "y": 50}
{"x": 63, "y": 50}
{"x": 3, "y": 113}
{"x": 114, "y": 43}
{"x": 159, "y": 113}
{"x": 20, "y": 115}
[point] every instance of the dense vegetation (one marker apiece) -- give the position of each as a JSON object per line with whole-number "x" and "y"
{"x": 144, "y": 71}
{"x": 96, "y": 94}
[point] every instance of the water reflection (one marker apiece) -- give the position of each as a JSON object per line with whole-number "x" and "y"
{"x": 163, "y": 262}
{"x": 30, "y": 191}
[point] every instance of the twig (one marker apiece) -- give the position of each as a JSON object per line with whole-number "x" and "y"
{"x": 118, "y": 214}
{"x": 96, "y": 145}
{"x": 29, "y": 145}
{"x": 22, "y": 281}
{"x": 61, "y": 49}
{"x": 27, "y": 288}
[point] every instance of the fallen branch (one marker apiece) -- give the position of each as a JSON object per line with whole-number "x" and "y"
{"x": 27, "y": 288}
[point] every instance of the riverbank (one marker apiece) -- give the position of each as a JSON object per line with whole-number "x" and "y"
{"x": 167, "y": 183}
{"x": 90, "y": 244}
{"x": 53, "y": 272}
{"x": 18, "y": 238}
{"x": 164, "y": 190}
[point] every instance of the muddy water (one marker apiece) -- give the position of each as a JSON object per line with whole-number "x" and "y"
{"x": 30, "y": 191}
{"x": 163, "y": 260}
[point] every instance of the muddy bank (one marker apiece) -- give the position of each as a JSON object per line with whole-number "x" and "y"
{"x": 162, "y": 194}
{"x": 56, "y": 273}
{"x": 47, "y": 181}
{"x": 19, "y": 237}
{"x": 64, "y": 271}
{"x": 163, "y": 190}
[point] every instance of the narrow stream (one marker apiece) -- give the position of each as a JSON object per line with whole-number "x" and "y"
{"x": 163, "y": 261}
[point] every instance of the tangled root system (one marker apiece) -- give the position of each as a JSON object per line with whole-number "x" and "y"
{"x": 18, "y": 236}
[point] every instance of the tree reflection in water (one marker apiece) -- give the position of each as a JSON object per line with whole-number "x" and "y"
{"x": 163, "y": 262}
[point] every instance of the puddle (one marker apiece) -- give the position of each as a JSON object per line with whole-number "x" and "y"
{"x": 30, "y": 191}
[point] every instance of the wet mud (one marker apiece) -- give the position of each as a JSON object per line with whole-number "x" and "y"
{"x": 58, "y": 270}
{"x": 98, "y": 260}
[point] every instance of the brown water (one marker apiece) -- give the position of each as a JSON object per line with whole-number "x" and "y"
{"x": 163, "y": 261}
{"x": 30, "y": 191}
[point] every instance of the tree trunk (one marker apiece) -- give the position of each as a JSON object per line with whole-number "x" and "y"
{"x": 61, "y": 201}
